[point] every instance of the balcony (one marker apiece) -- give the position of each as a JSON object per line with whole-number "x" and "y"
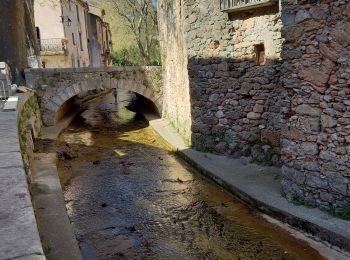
{"x": 54, "y": 46}
{"x": 241, "y": 5}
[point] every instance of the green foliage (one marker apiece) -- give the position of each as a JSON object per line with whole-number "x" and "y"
{"x": 258, "y": 141}
{"x": 47, "y": 251}
{"x": 300, "y": 201}
{"x": 237, "y": 147}
{"x": 343, "y": 213}
{"x": 126, "y": 57}
{"x": 131, "y": 56}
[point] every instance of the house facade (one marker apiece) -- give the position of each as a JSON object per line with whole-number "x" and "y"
{"x": 266, "y": 79}
{"x": 64, "y": 30}
{"x": 99, "y": 38}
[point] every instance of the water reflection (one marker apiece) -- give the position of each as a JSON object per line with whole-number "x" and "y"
{"x": 129, "y": 197}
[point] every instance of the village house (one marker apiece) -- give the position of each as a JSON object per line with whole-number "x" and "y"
{"x": 64, "y": 29}
{"x": 99, "y": 38}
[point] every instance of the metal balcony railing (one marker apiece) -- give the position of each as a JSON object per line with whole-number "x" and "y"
{"x": 238, "y": 5}
{"x": 54, "y": 45}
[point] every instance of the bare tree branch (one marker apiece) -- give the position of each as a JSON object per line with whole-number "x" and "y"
{"x": 141, "y": 17}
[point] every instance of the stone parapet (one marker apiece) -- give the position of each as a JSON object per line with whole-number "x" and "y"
{"x": 19, "y": 237}
{"x": 57, "y": 86}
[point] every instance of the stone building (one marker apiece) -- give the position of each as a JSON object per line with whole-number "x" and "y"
{"x": 269, "y": 79}
{"x": 62, "y": 32}
{"x": 99, "y": 38}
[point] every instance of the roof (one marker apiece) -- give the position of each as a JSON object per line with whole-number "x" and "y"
{"x": 97, "y": 11}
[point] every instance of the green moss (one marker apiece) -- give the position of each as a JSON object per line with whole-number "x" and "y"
{"x": 342, "y": 213}
{"x": 29, "y": 109}
{"x": 48, "y": 251}
{"x": 237, "y": 148}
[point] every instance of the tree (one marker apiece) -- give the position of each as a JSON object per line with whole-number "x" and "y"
{"x": 141, "y": 18}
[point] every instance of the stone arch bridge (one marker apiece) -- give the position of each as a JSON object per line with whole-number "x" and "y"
{"x": 56, "y": 86}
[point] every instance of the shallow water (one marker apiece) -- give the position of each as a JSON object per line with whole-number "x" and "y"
{"x": 130, "y": 197}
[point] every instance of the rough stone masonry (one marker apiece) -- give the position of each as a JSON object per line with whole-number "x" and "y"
{"x": 272, "y": 82}
{"x": 316, "y": 76}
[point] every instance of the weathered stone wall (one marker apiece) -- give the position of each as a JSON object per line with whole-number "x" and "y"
{"x": 56, "y": 86}
{"x": 316, "y": 73}
{"x": 29, "y": 127}
{"x": 296, "y": 104}
{"x": 177, "y": 106}
{"x": 234, "y": 101}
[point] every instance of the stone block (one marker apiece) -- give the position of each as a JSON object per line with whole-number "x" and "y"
{"x": 316, "y": 181}
{"x": 328, "y": 121}
{"x": 293, "y": 175}
{"x": 308, "y": 110}
{"x": 339, "y": 184}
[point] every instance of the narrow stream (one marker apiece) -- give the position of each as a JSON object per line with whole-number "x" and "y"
{"x": 129, "y": 196}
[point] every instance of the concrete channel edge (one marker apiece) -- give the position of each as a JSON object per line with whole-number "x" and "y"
{"x": 332, "y": 237}
{"x": 19, "y": 235}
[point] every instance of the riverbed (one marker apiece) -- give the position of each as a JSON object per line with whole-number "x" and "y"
{"x": 129, "y": 196}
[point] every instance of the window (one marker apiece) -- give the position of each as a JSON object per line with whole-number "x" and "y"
{"x": 38, "y": 33}
{"x": 73, "y": 61}
{"x": 77, "y": 8}
{"x": 259, "y": 54}
{"x": 81, "y": 42}
{"x": 73, "y": 38}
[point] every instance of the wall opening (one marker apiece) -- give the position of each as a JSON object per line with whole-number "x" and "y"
{"x": 259, "y": 54}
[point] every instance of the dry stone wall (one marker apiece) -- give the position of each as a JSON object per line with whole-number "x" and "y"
{"x": 293, "y": 102}
{"x": 316, "y": 74}
{"x": 237, "y": 104}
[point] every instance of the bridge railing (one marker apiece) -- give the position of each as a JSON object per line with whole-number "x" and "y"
{"x": 53, "y": 45}
{"x": 238, "y": 5}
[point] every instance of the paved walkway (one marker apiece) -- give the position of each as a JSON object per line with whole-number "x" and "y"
{"x": 19, "y": 237}
{"x": 259, "y": 186}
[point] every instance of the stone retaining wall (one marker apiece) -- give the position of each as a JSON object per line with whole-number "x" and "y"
{"x": 29, "y": 128}
{"x": 316, "y": 74}
{"x": 19, "y": 236}
{"x": 235, "y": 101}
{"x": 293, "y": 103}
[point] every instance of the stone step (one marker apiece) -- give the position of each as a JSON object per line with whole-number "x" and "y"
{"x": 11, "y": 104}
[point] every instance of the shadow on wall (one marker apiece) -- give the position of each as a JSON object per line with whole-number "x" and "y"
{"x": 298, "y": 106}
{"x": 238, "y": 106}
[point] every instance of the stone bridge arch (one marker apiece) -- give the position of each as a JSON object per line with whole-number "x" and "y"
{"x": 56, "y": 86}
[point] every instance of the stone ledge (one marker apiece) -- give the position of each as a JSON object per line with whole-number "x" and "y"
{"x": 19, "y": 236}
{"x": 92, "y": 70}
{"x": 259, "y": 188}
